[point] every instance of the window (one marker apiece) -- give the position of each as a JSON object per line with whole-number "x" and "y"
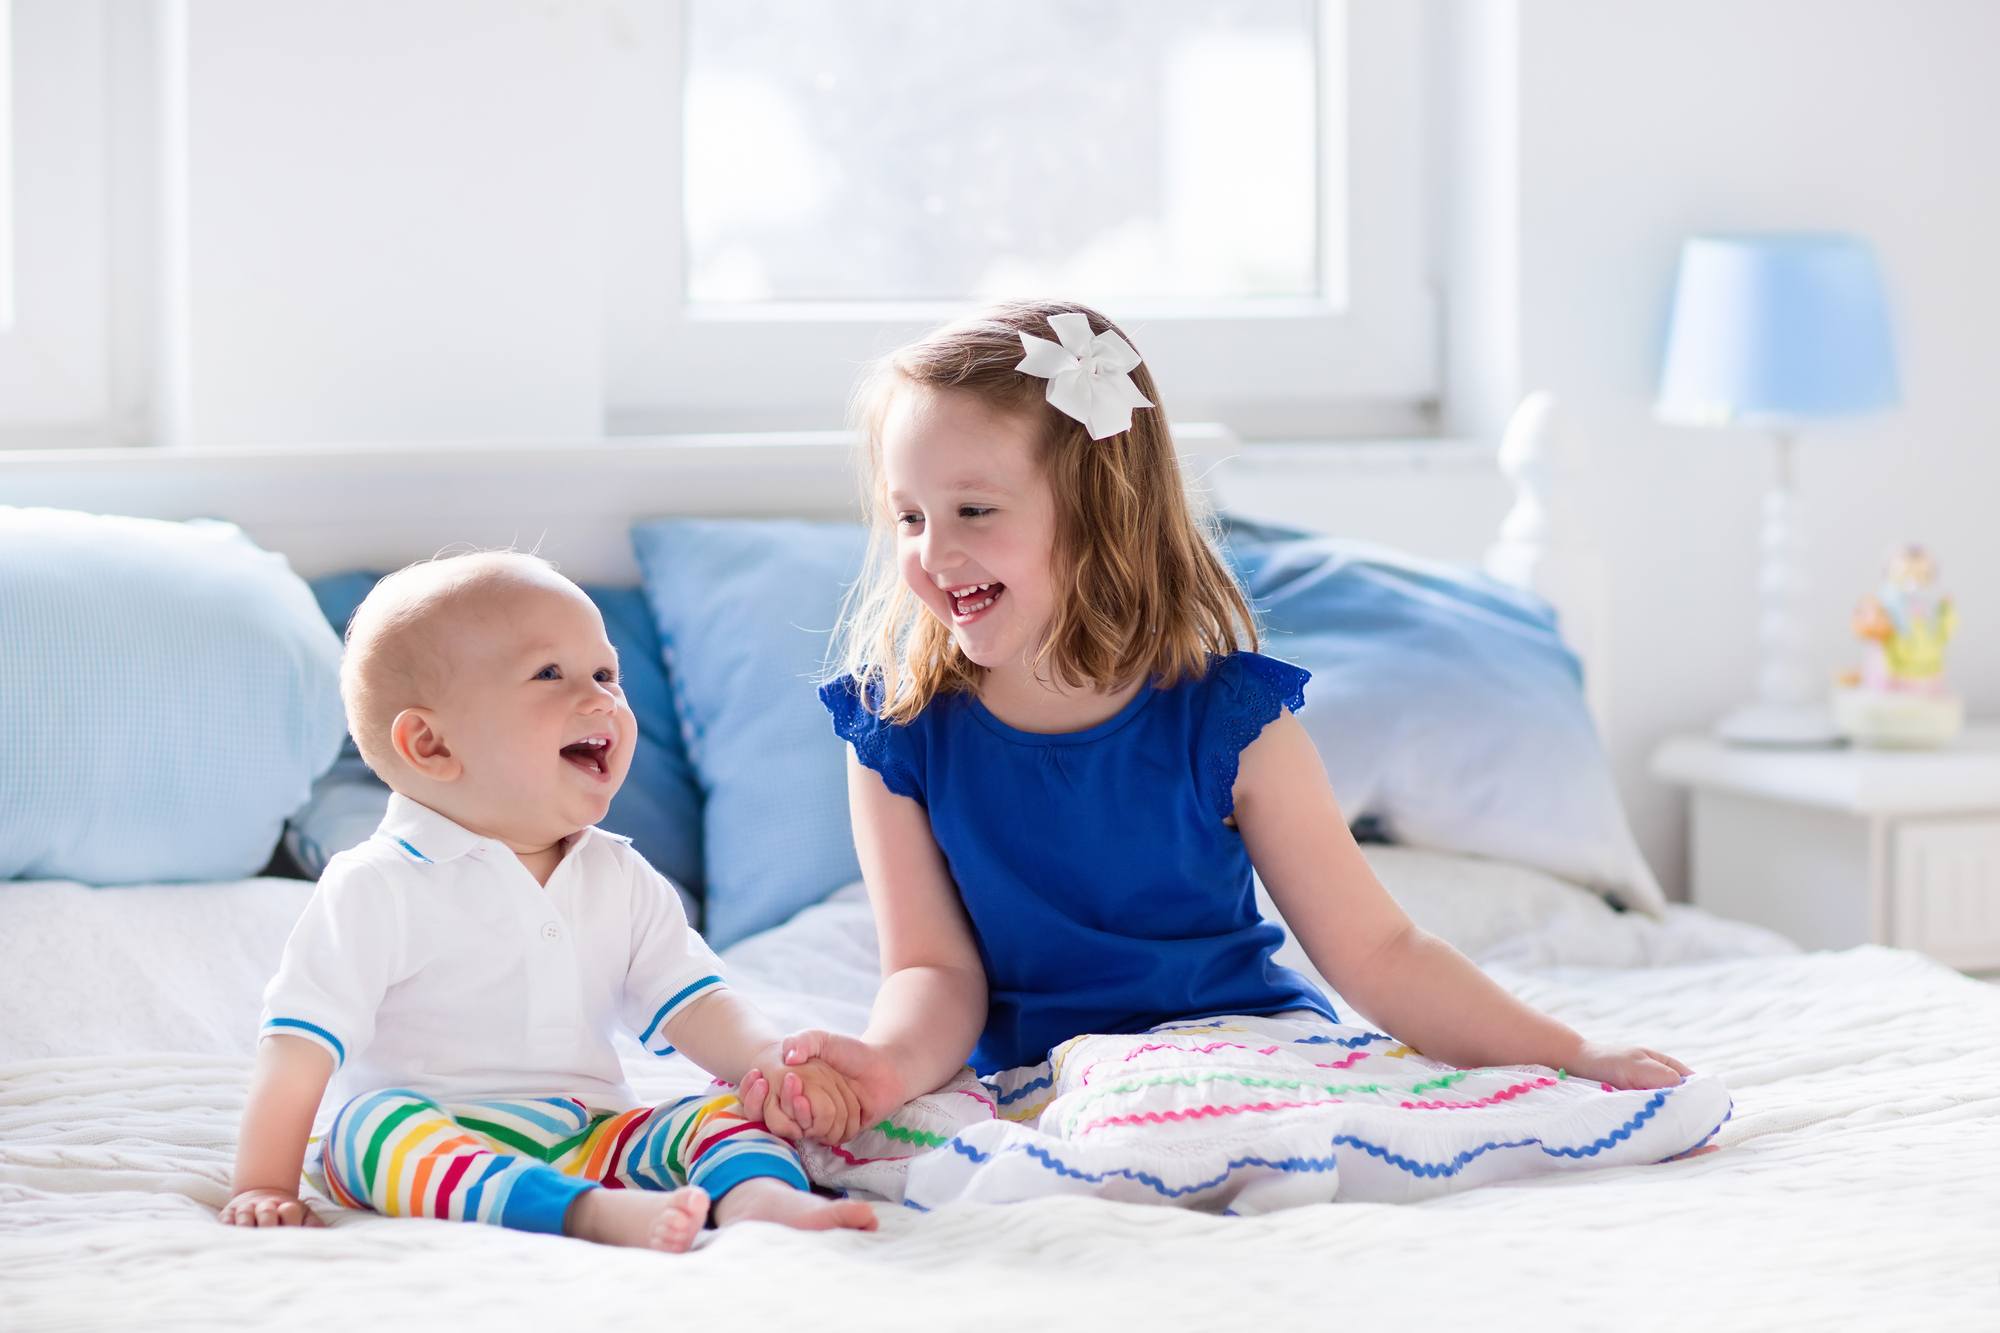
{"x": 1163, "y": 150}
{"x": 1229, "y": 179}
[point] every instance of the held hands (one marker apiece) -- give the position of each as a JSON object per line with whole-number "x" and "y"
{"x": 268, "y": 1208}
{"x": 782, "y": 1091}
{"x": 1631, "y": 1067}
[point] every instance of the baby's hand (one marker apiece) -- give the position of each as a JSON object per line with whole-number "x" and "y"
{"x": 268, "y": 1208}
{"x": 867, "y": 1070}
{"x": 1632, "y": 1067}
{"x": 823, "y": 1103}
{"x": 796, "y": 1101}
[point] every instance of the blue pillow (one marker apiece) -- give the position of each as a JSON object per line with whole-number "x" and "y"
{"x": 168, "y": 693}
{"x": 1445, "y": 705}
{"x": 745, "y": 608}
{"x": 659, "y": 807}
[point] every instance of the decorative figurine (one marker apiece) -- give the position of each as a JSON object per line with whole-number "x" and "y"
{"x": 1899, "y": 698}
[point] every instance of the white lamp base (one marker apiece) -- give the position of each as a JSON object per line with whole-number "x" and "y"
{"x": 1779, "y": 724}
{"x": 1788, "y": 710}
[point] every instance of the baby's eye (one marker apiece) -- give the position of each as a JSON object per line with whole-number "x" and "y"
{"x": 904, "y": 520}
{"x": 549, "y": 672}
{"x": 606, "y": 676}
{"x": 970, "y": 511}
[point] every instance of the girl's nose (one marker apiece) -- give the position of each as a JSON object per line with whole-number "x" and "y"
{"x": 938, "y": 551}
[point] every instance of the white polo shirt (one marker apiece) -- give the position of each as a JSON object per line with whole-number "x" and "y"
{"x": 429, "y": 958}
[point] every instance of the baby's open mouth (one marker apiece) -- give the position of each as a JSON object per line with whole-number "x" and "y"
{"x": 591, "y": 754}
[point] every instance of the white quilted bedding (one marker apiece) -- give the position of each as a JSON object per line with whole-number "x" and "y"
{"x": 1858, "y": 1185}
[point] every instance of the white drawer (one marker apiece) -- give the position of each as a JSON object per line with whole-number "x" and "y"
{"x": 1945, "y": 894}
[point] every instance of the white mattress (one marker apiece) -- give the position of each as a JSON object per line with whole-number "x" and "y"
{"x": 1858, "y": 1185}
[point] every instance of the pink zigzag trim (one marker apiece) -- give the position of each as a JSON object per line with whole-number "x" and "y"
{"x": 1505, "y": 1094}
{"x": 1209, "y": 1049}
{"x": 1346, "y": 1062}
{"x": 986, "y": 1102}
{"x": 1201, "y": 1113}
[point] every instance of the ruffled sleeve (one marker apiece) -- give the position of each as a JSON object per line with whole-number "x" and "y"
{"x": 1245, "y": 693}
{"x": 882, "y": 746}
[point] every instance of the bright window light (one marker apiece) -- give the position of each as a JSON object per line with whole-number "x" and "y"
{"x": 1123, "y": 151}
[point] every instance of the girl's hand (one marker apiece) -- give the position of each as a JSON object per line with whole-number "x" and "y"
{"x": 268, "y": 1208}
{"x": 869, "y": 1072}
{"x": 1630, "y": 1067}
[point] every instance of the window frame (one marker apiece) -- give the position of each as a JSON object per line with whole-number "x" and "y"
{"x": 1360, "y": 357}
{"x": 54, "y": 350}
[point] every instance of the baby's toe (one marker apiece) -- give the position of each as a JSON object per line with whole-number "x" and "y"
{"x": 680, "y": 1221}
{"x": 854, "y": 1214}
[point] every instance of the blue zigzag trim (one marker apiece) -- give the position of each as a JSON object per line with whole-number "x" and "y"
{"x": 1428, "y": 1170}
{"x": 1349, "y": 1042}
{"x": 1026, "y": 1088}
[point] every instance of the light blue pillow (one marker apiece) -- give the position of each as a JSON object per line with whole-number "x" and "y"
{"x": 1445, "y": 705}
{"x": 658, "y": 807}
{"x": 745, "y": 608}
{"x": 168, "y": 693}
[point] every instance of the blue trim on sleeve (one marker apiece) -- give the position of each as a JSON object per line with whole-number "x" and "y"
{"x": 685, "y": 993}
{"x": 310, "y": 1030}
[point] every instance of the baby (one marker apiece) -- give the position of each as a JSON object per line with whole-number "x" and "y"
{"x": 459, "y": 976}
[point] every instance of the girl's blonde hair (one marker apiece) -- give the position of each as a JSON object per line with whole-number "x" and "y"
{"x": 1140, "y": 590}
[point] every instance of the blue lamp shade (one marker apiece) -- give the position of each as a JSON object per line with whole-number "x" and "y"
{"x": 1776, "y": 328}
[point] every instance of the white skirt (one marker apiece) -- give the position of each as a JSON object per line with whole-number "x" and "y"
{"x": 1251, "y": 1114}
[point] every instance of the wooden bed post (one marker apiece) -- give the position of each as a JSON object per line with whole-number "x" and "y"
{"x": 1546, "y": 544}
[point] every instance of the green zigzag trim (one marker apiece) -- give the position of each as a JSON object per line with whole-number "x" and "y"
{"x": 900, "y": 1134}
{"x": 1249, "y": 1080}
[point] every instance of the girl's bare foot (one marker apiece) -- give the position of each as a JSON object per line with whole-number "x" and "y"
{"x": 766, "y": 1200}
{"x": 643, "y": 1218}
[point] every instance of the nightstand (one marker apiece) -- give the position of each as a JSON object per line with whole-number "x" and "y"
{"x": 1838, "y": 847}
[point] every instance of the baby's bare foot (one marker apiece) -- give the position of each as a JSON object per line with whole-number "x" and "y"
{"x": 643, "y": 1218}
{"x": 767, "y": 1200}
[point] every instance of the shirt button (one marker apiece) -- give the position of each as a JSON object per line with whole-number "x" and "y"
{"x": 550, "y": 930}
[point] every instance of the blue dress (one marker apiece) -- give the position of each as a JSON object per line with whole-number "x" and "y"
{"x": 1104, "y": 890}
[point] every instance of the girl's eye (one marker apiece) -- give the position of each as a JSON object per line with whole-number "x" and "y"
{"x": 606, "y": 676}
{"x": 964, "y": 511}
{"x": 549, "y": 672}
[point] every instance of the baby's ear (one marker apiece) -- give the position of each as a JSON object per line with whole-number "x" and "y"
{"x": 418, "y": 742}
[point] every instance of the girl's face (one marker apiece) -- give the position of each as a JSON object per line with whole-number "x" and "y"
{"x": 971, "y": 507}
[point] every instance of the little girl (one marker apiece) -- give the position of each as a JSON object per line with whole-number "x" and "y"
{"x": 1064, "y": 771}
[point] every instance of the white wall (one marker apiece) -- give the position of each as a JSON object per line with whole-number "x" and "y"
{"x": 382, "y": 221}
{"x": 1639, "y": 123}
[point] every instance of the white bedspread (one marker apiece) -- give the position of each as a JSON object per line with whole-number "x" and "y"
{"x": 1858, "y": 1185}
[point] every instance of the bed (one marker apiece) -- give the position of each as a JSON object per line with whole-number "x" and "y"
{"x": 1856, "y": 1184}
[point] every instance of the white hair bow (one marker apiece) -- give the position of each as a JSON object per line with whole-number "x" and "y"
{"x": 1089, "y": 377}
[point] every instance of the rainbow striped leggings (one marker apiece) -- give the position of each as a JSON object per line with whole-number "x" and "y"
{"x": 521, "y": 1163}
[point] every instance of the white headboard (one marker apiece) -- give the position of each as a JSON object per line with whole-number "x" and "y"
{"x": 329, "y": 508}
{"x": 332, "y": 508}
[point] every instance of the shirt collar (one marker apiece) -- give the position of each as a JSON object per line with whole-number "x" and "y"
{"x": 427, "y": 837}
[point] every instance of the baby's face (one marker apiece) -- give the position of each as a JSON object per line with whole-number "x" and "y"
{"x": 535, "y": 715}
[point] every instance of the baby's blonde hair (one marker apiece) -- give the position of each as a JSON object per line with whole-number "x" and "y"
{"x": 399, "y": 650}
{"x": 1140, "y": 590}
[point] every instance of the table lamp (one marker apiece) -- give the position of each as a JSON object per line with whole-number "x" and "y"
{"x": 1776, "y": 332}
